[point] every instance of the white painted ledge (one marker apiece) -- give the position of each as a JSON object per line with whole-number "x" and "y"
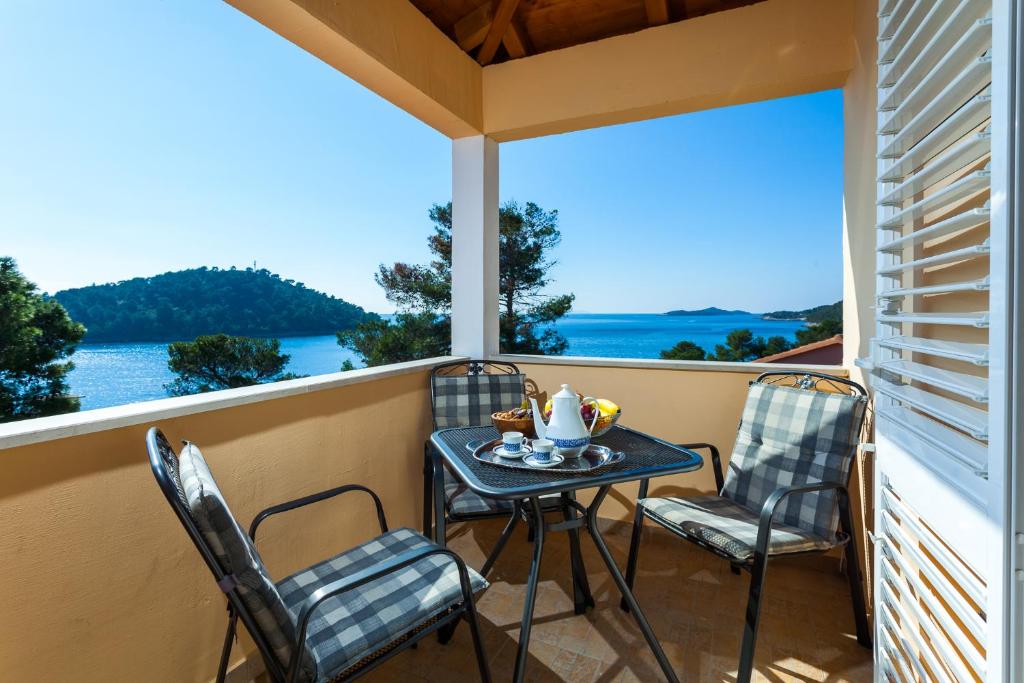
{"x": 41, "y": 429}
{"x": 657, "y": 364}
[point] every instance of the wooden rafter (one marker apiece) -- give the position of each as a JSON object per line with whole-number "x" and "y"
{"x": 657, "y": 12}
{"x": 472, "y": 29}
{"x": 516, "y": 40}
{"x": 502, "y": 20}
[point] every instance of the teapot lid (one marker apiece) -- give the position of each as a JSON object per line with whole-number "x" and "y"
{"x": 566, "y": 392}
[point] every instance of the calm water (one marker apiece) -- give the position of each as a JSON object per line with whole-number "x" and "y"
{"x": 113, "y": 374}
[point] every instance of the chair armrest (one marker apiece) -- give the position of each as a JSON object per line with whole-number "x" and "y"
{"x": 764, "y": 526}
{"x": 316, "y": 498}
{"x": 400, "y": 561}
{"x": 716, "y": 461}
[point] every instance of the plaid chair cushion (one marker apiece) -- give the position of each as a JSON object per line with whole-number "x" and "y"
{"x": 238, "y": 556}
{"x": 461, "y": 500}
{"x": 791, "y": 437}
{"x": 469, "y": 400}
{"x": 730, "y": 527}
{"x": 347, "y": 627}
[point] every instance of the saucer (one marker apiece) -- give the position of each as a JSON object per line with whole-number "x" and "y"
{"x": 532, "y": 461}
{"x": 501, "y": 453}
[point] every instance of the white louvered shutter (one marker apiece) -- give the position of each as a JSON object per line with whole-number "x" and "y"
{"x": 939, "y": 358}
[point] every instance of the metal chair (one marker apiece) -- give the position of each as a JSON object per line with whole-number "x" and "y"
{"x": 785, "y": 493}
{"x": 465, "y": 394}
{"x": 337, "y": 619}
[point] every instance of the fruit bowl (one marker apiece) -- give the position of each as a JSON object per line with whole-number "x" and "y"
{"x": 605, "y": 423}
{"x": 507, "y": 421}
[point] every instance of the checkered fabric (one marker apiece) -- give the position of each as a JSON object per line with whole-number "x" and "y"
{"x": 469, "y": 400}
{"x": 730, "y": 527}
{"x": 792, "y": 437}
{"x": 461, "y": 500}
{"x": 346, "y": 628}
{"x": 238, "y": 556}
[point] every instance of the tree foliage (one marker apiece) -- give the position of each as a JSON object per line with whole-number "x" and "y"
{"x": 684, "y": 350}
{"x": 201, "y": 301}
{"x": 220, "y": 361}
{"x": 527, "y": 234}
{"x": 36, "y": 334}
{"x": 410, "y": 336}
{"x": 742, "y": 346}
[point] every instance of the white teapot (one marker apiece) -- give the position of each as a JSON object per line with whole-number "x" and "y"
{"x": 566, "y": 427}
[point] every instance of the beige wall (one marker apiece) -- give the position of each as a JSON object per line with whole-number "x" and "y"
{"x": 859, "y": 191}
{"x": 100, "y": 582}
{"x": 764, "y": 51}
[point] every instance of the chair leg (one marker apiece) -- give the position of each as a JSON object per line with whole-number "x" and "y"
{"x": 428, "y": 492}
{"x": 634, "y": 545}
{"x": 753, "y": 618}
{"x": 860, "y": 615}
{"x": 229, "y": 639}
{"x": 478, "y": 643}
{"x": 445, "y": 633}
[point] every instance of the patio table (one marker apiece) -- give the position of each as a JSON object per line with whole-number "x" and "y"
{"x": 646, "y": 457}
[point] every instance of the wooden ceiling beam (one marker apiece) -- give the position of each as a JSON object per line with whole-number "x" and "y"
{"x": 471, "y": 29}
{"x": 502, "y": 20}
{"x": 517, "y": 41}
{"x": 657, "y": 12}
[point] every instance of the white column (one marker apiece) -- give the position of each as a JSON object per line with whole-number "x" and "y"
{"x": 475, "y": 247}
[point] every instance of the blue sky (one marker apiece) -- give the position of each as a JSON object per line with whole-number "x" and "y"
{"x": 142, "y": 136}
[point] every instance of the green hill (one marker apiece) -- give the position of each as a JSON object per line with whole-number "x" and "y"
{"x": 188, "y": 303}
{"x": 811, "y": 315}
{"x": 707, "y": 311}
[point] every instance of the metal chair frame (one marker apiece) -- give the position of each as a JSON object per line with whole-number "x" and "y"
{"x": 160, "y": 454}
{"x": 432, "y": 459}
{"x": 758, "y": 564}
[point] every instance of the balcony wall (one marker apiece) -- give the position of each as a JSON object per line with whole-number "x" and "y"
{"x": 101, "y": 584}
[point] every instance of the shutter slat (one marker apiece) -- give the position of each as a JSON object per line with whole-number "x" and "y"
{"x": 941, "y": 135}
{"x": 963, "y": 351}
{"x": 969, "y": 185}
{"x": 918, "y": 85}
{"x": 937, "y": 260}
{"x": 965, "y": 153}
{"x": 960, "y": 415}
{"x": 960, "y": 449}
{"x": 967, "y": 220}
{"x": 968, "y": 386}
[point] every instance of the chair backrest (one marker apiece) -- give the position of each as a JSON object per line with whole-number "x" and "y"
{"x": 237, "y": 567}
{"x": 796, "y": 429}
{"x": 465, "y": 393}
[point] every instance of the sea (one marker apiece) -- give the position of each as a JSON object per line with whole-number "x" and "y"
{"x": 115, "y": 374}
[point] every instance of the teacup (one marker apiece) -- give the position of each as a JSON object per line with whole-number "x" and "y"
{"x": 542, "y": 449}
{"x": 512, "y": 442}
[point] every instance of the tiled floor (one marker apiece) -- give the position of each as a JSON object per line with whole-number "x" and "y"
{"x": 695, "y": 605}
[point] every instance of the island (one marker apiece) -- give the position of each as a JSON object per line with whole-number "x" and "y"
{"x": 188, "y": 303}
{"x": 708, "y": 311}
{"x": 811, "y": 315}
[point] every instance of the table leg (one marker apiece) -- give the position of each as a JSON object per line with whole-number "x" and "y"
{"x": 582, "y": 597}
{"x": 627, "y": 594}
{"x": 517, "y": 512}
{"x": 531, "y": 592}
{"x": 440, "y": 523}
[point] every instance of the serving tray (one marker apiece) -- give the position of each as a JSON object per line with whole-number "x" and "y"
{"x": 592, "y": 459}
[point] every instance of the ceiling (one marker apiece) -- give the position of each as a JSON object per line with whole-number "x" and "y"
{"x": 498, "y": 30}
